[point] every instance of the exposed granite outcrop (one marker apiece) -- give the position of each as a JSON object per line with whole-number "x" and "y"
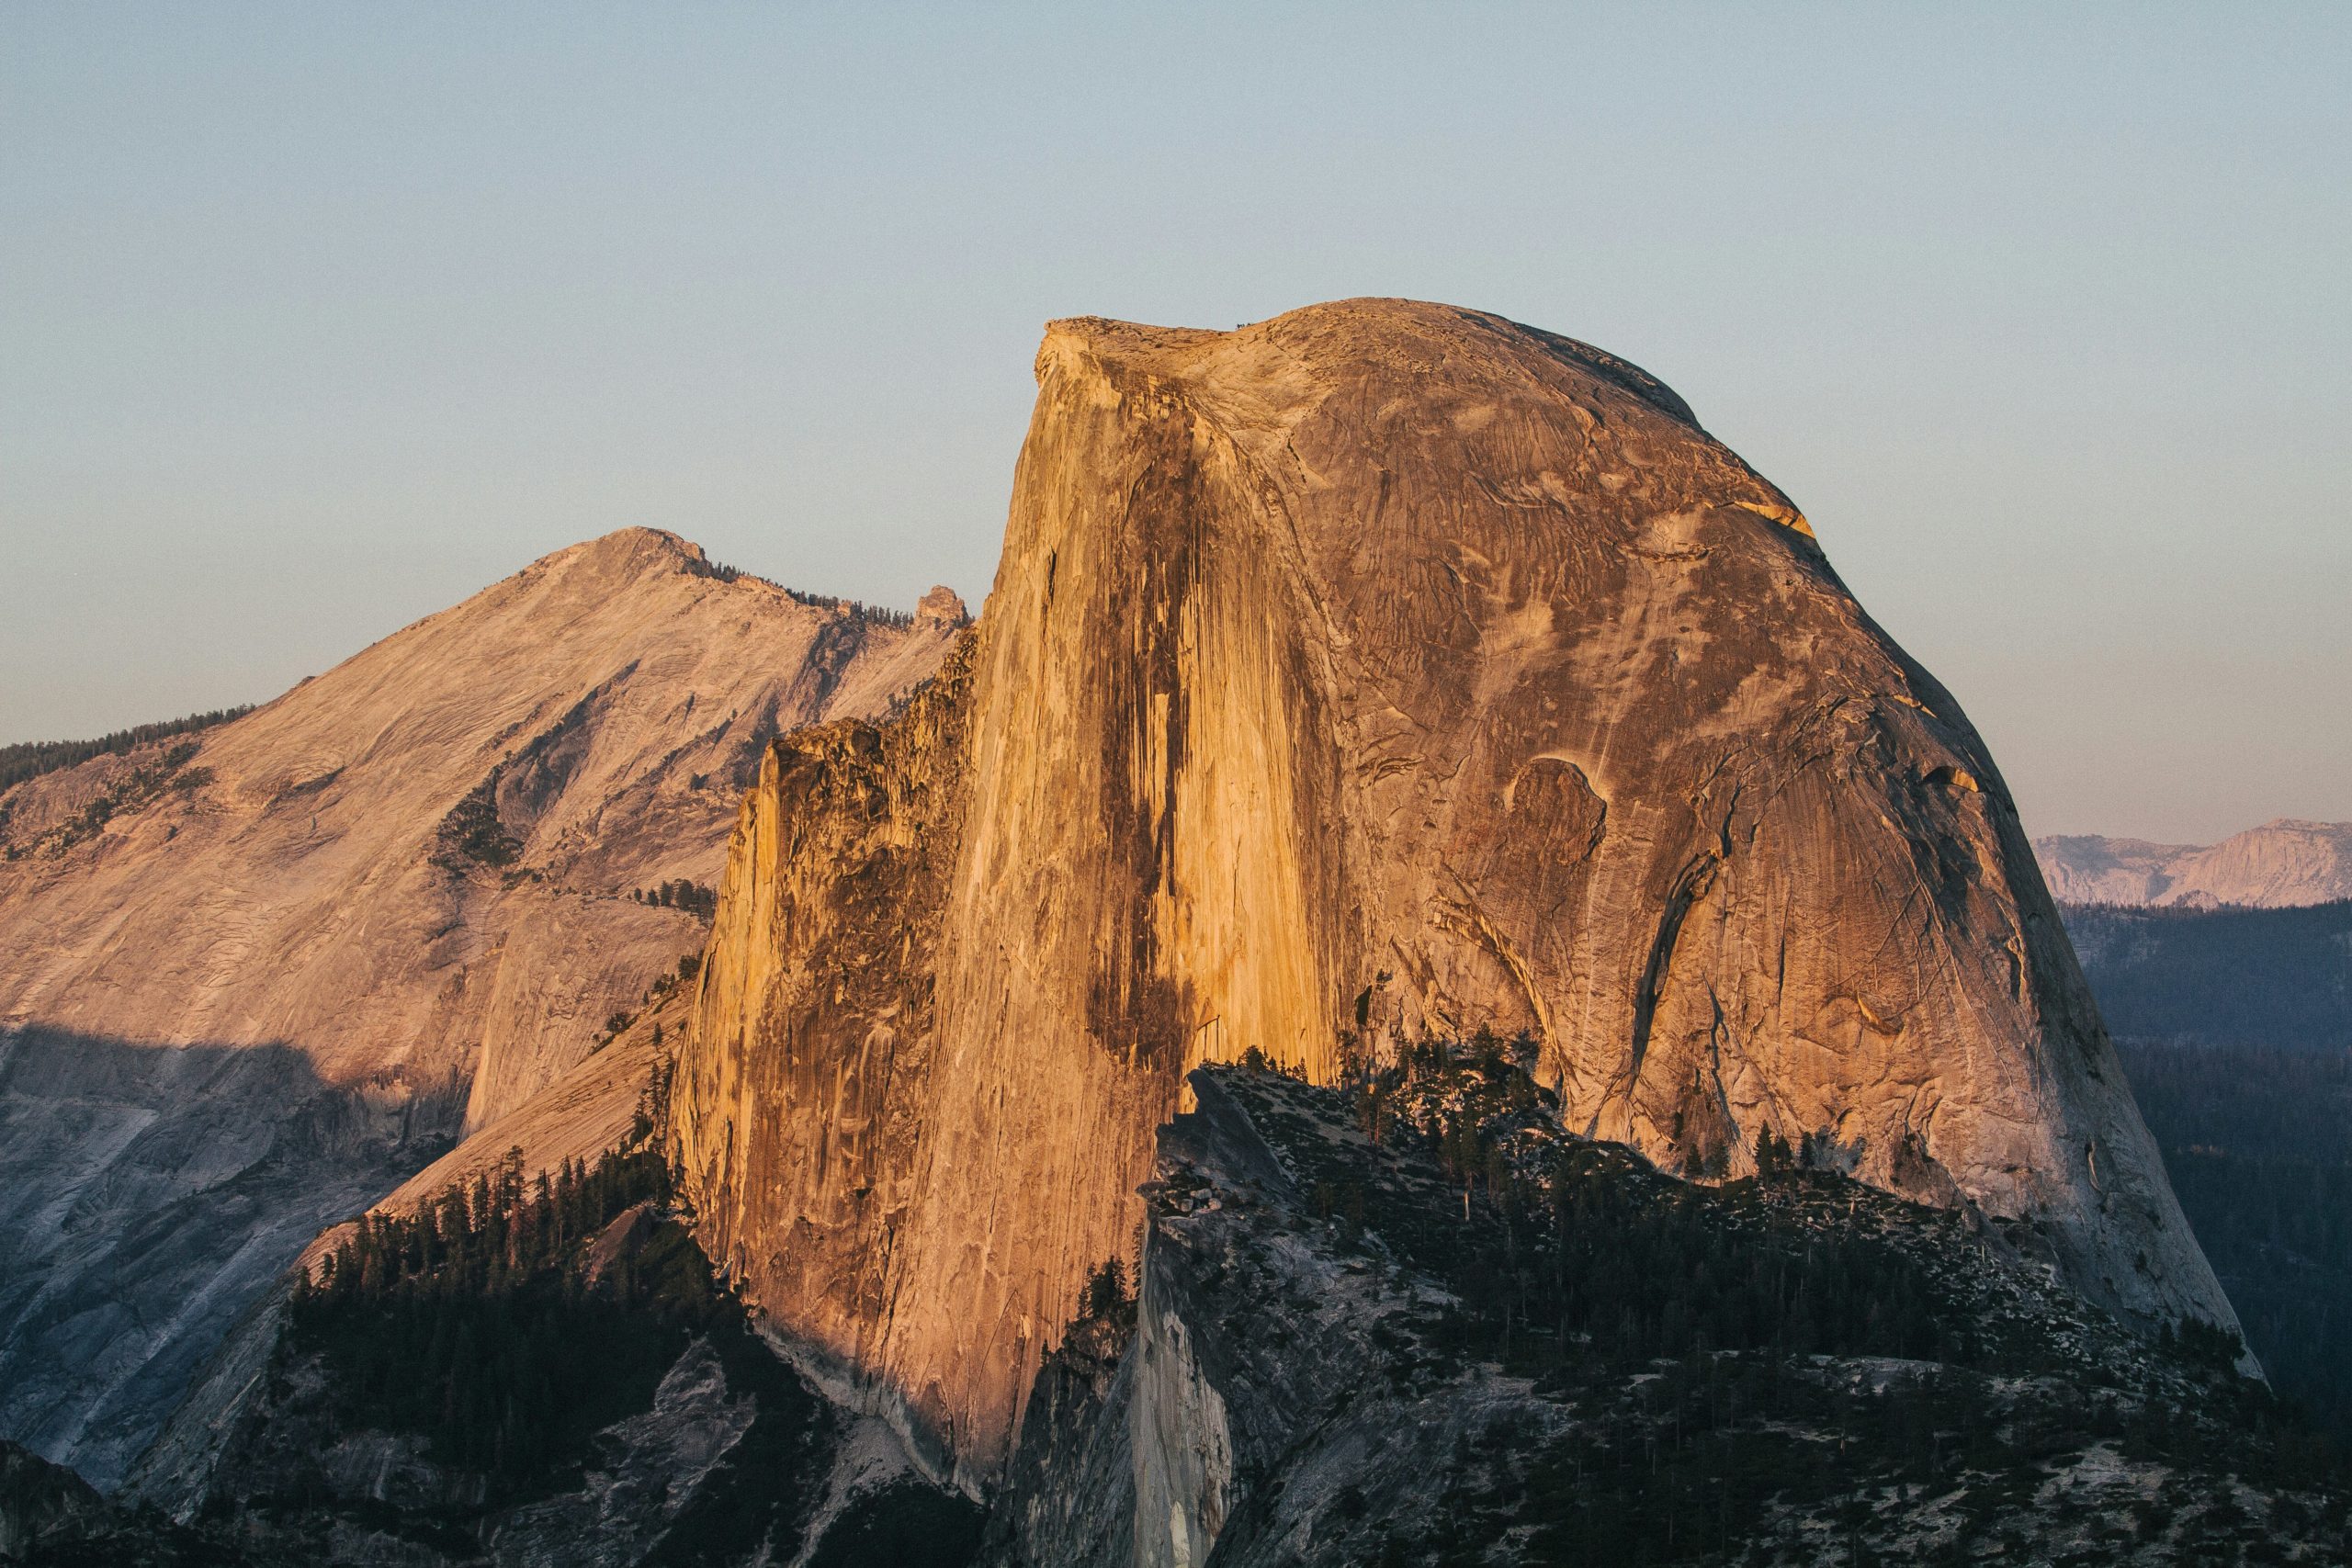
{"x": 253, "y": 977}
{"x": 1305, "y": 1387}
{"x": 1379, "y": 667}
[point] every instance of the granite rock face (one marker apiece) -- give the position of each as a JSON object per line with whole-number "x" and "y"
{"x": 1307, "y": 1382}
{"x": 2278, "y": 865}
{"x": 1383, "y": 668}
{"x": 251, "y": 979}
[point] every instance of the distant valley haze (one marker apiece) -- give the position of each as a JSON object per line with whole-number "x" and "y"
{"x": 316, "y": 322}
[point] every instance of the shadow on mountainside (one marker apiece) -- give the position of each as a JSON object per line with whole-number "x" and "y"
{"x": 2227, "y": 977}
{"x": 149, "y": 1195}
{"x": 2235, "y": 1027}
{"x": 2258, "y": 1143}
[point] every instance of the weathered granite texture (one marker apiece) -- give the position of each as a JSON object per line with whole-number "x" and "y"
{"x": 251, "y": 980}
{"x": 1379, "y": 667}
{"x": 1297, "y": 1391}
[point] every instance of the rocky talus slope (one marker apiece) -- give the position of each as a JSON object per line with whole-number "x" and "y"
{"x": 1420, "y": 1322}
{"x": 253, "y": 977}
{"x": 2279, "y": 864}
{"x": 1379, "y": 668}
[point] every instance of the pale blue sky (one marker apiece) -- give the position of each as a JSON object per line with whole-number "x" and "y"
{"x": 314, "y": 319}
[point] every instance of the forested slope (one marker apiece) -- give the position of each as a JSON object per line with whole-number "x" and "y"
{"x": 2235, "y": 1026}
{"x": 2231, "y": 976}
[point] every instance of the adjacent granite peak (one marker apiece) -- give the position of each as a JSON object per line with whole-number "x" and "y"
{"x": 253, "y": 977}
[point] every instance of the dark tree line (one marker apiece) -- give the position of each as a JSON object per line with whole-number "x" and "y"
{"x": 30, "y": 759}
{"x": 2258, "y": 1144}
{"x": 872, "y": 613}
{"x": 1566, "y": 1250}
{"x": 617, "y": 1021}
{"x": 2280, "y": 978}
{"x": 1711, "y": 1447}
{"x": 692, "y": 897}
{"x": 2235, "y": 1026}
{"x": 473, "y": 830}
{"x": 166, "y": 771}
{"x": 509, "y": 1321}
{"x": 1578, "y": 1253}
{"x": 472, "y": 1322}
{"x": 1107, "y": 1297}
{"x": 2252, "y": 1102}
{"x": 1682, "y": 1321}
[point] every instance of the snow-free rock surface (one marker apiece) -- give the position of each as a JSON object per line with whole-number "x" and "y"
{"x": 2281, "y": 864}
{"x": 1312, "y": 1382}
{"x": 251, "y": 979}
{"x": 1377, "y": 669}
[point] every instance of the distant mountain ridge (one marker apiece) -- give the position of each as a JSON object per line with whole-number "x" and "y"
{"x": 2284, "y": 862}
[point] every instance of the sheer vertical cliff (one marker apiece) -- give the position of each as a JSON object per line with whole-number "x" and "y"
{"x": 1377, "y": 669}
{"x": 251, "y": 979}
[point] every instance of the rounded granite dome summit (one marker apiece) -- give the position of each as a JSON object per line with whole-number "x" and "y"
{"x": 1380, "y": 670}
{"x": 1365, "y": 335}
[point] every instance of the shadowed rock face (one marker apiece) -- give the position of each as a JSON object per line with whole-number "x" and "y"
{"x": 1380, "y": 668}
{"x": 1305, "y": 1382}
{"x": 292, "y": 957}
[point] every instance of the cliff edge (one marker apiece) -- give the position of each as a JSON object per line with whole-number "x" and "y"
{"x": 1377, "y": 669}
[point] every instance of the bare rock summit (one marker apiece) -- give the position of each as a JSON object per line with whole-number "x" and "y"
{"x": 251, "y": 979}
{"x": 1379, "y": 668}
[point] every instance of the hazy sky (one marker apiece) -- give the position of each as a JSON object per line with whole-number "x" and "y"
{"x": 314, "y": 319}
